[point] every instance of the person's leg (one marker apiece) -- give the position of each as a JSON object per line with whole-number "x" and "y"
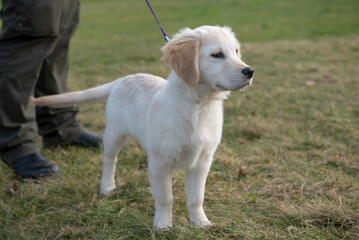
{"x": 59, "y": 125}
{"x": 20, "y": 64}
{"x": 23, "y": 48}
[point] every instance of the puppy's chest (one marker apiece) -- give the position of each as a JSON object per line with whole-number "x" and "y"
{"x": 196, "y": 144}
{"x": 185, "y": 137}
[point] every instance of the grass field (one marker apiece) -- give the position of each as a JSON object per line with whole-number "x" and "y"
{"x": 288, "y": 164}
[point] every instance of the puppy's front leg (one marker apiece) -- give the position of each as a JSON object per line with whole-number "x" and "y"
{"x": 195, "y": 186}
{"x": 161, "y": 182}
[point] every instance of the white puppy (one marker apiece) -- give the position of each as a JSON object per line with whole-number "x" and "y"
{"x": 178, "y": 122}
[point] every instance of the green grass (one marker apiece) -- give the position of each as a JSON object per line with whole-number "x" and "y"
{"x": 288, "y": 165}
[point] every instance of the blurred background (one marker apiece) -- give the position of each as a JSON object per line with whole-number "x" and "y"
{"x": 125, "y": 32}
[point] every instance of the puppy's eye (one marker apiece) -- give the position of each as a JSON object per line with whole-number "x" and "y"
{"x": 237, "y": 51}
{"x": 217, "y": 55}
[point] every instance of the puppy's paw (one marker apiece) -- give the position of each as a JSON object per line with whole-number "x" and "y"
{"x": 202, "y": 223}
{"x": 106, "y": 190}
{"x": 162, "y": 220}
{"x": 162, "y": 226}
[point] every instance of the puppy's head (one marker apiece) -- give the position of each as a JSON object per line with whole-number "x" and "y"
{"x": 210, "y": 55}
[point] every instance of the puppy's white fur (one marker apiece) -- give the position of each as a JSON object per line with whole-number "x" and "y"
{"x": 178, "y": 122}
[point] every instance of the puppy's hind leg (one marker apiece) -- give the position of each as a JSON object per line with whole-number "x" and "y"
{"x": 113, "y": 141}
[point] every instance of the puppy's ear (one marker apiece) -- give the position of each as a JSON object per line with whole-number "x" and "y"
{"x": 182, "y": 53}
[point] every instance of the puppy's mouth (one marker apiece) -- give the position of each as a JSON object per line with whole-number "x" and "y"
{"x": 240, "y": 88}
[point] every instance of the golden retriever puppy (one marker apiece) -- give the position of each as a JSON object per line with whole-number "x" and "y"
{"x": 177, "y": 121}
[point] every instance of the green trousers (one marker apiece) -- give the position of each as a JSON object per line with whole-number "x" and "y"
{"x": 34, "y": 61}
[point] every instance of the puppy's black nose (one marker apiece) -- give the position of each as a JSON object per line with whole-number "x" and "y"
{"x": 248, "y": 72}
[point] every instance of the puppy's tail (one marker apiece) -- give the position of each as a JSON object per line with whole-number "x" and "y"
{"x": 71, "y": 98}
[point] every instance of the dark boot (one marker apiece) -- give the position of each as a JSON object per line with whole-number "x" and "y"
{"x": 87, "y": 139}
{"x": 32, "y": 166}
